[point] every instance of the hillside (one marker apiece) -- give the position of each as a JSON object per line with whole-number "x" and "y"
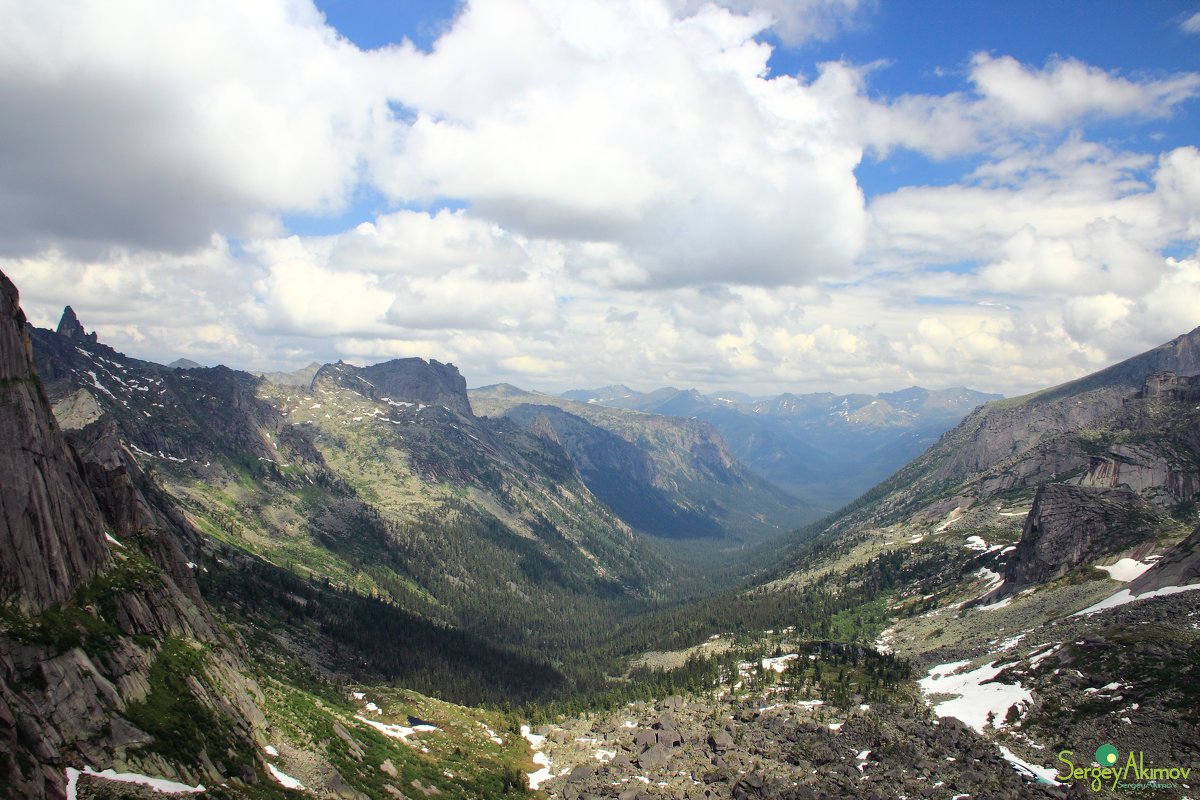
{"x": 379, "y": 480}
{"x": 671, "y": 477}
{"x": 251, "y": 589}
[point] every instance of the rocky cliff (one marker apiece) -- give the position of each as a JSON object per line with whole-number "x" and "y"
{"x": 104, "y": 639}
{"x": 1179, "y": 566}
{"x": 413, "y": 380}
{"x": 51, "y": 530}
{"x": 1072, "y": 525}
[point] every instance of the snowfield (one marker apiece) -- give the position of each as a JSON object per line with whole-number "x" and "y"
{"x": 977, "y": 702}
{"x": 1125, "y": 596}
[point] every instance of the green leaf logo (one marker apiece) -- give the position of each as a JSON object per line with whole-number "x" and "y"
{"x": 1106, "y": 755}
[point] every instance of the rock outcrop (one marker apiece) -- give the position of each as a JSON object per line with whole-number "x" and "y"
{"x": 51, "y": 530}
{"x": 70, "y": 327}
{"x": 1069, "y": 526}
{"x": 412, "y": 380}
{"x": 1147, "y": 471}
{"x": 95, "y": 590}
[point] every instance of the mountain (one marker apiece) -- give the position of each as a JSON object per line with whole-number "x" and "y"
{"x": 378, "y": 479}
{"x": 1035, "y": 565}
{"x": 822, "y": 447}
{"x": 210, "y": 578}
{"x": 138, "y": 650}
{"x": 1019, "y": 597}
{"x": 668, "y": 476}
{"x": 301, "y": 377}
{"x": 101, "y": 608}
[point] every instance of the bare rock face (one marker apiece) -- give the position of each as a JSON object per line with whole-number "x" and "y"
{"x": 90, "y": 618}
{"x": 1069, "y": 526}
{"x": 51, "y": 530}
{"x": 1147, "y": 471}
{"x": 70, "y": 326}
{"x": 413, "y": 380}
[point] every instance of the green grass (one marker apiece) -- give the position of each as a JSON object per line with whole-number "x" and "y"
{"x": 181, "y": 723}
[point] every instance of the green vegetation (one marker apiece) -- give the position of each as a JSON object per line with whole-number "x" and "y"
{"x": 174, "y": 713}
{"x": 86, "y": 621}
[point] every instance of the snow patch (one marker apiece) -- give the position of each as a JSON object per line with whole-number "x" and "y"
{"x": 1034, "y": 660}
{"x": 283, "y": 779}
{"x": 401, "y": 732}
{"x": 491, "y": 734}
{"x": 1039, "y": 774}
{"x": 271, "y": 751}
{"x": 537, "y": 778}
{"x": 1124, "y": 570}
{"x": 976, "y": 701}
{"x": 779, "y": 663}
{"x": 1125, "y": 596}
{"x": 158, "y": 784}
{"x": 108, "y": 537}
{"x": 998, "y": 604}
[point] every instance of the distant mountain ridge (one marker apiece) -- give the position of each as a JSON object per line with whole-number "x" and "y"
{"x": 669, "y": 476}
{"x": 823, "y": 447}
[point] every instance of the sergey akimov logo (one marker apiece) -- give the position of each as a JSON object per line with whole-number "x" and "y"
{"x": 1133, "y": 774}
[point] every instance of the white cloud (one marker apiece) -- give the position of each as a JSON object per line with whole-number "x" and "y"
{"x": 1009, "y": 102}
{"x": 1067, "y": 89}
{"x": 619, "y": 123}
{"x": 795, "y": 21}
{"x": 154, "y": 124}
{"x": 644, "y": 202}
{"x": 1191, "y": 24}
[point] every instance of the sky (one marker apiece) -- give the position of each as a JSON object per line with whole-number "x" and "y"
{"x": 764, "y": 195}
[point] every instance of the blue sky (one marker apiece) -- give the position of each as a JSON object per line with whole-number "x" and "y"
{"x": 772, "y": 195}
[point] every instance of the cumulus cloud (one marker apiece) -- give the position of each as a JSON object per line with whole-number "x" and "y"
{"x": 621, "y": 123}
{"x": 155, "y": 124}
{"x": 1067, "y": 89}
{"x": 794, "y": 21}
{"x": 639, "y": 199}
{"x": 1008, "y": 101}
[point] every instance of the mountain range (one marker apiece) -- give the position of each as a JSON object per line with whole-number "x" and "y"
{"x": 370, "y": 582}
{"x": 824, "y": 448}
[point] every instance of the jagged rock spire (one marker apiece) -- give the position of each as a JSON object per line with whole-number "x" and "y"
{"x": 72, "y": 328}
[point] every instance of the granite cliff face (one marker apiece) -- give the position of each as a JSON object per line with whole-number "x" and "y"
{"x": 1072, "y": 525}
{"x": 51, "y": 530}
{"x": 96, "y": 593}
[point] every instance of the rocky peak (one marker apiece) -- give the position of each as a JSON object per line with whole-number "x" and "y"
{"x": 51, "y": 530}
{"x": 543, "y": 428}
{"x": 70, "y": 327}
{"x": 413, "y": 380}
